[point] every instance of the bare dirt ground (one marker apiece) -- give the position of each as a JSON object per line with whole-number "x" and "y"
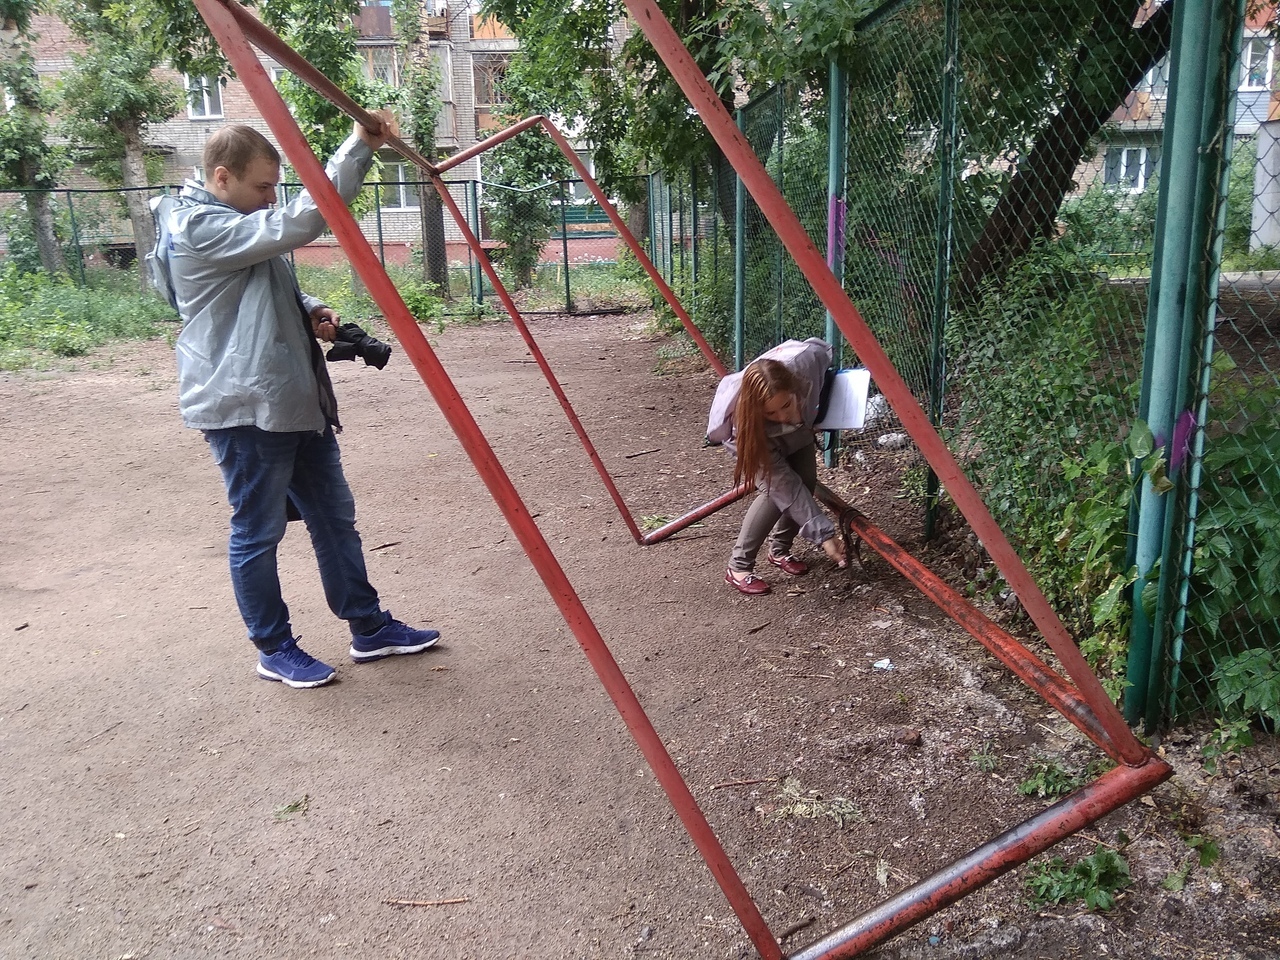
{"x": 160, "y": 801}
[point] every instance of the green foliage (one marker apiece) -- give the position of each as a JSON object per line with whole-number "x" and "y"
{"x": 334, "y": 286}
{"x": 985, "y": 759}
{"x": 1047, "y": 368}
{"x": 1048, "y": 778}
{"x": 1095, "y": 879}
{"x": 1232, "y": 638}
{"x": 1239, "y": 226}
{"x": 1110, "y": 230}
{"x": 324, "y": 32}
{"x": 1230, "y": 736}
{"x": 520, "y": 192}
{"x": 1249, "y": 684}
{"x": 1205, "y": 854}
{"x": 112, "y": 93}
{"x": 42, "y": 316}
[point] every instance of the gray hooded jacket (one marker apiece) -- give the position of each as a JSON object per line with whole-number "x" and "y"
{"x": 246, "y": 354}
{"x": 808, "y": 360}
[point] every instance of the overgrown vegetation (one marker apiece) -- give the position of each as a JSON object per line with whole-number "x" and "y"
{"x": 43, "y": 317}
{"x": 1095, "y": 879}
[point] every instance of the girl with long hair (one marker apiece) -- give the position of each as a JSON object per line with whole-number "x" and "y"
{"x": 765, "y": 415}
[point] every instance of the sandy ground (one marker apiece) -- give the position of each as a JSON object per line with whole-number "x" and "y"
{"x": 162, "y": 802}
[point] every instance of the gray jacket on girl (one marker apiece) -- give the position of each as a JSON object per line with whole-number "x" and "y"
{"x": 808, "y": 360}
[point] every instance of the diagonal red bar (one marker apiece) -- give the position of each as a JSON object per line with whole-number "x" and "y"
{"x": 235, "y": 46}
{"x": 979, "y": 867}
{"x": 813, "y": 265}
{"x": 1029, "y": 668}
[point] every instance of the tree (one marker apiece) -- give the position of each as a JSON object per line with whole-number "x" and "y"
{"x": 324, "y": 33}
{"x": 27, "y": 160}
{"x": 110, "y": 97}
{"x": 418, "y": 107}
{"x": 1039, "y": 83}
{"x": 519, "y": 203}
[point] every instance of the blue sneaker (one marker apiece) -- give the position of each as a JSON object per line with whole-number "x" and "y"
{"x": 294, "y": 667}
{"x": 391, "y": 639}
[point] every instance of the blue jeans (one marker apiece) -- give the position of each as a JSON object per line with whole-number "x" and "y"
{"x": 260, "y": 469}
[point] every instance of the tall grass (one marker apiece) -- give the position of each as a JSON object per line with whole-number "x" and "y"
{"x": 44, "y": 318}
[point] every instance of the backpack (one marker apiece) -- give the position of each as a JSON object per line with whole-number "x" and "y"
{"x": 158, "y": 259}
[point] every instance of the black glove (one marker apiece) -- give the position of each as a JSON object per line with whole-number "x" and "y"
{"x": 351, "y": 342}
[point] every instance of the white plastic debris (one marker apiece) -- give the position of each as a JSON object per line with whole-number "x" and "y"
{"x": 885, "y": 664}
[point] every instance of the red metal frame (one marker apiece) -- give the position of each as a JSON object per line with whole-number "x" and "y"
{"x": 1085, "y": 704}
{"x": 222, "y": 17}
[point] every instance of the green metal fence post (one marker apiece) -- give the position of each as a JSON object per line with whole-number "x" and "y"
{"x": 1182, "y": 219}
{"x": 837, "y": 121}
{"x": 75, "y": 238}
{"x": 693, "y": 232}
{"x": 564, "y": 248}
{"x": 942, "y": 269}
{"x": 477, "y": 278}
{"x": 739, "y": 263}
{"x": 377, "y": 218}
{"x": 1180, "y": 547}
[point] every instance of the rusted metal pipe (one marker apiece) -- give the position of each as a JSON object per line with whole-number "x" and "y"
{"x": 502, "y": 136}
{"x": 634, "y": 246}
{"x": 791, "y": 232}
{"x": 693, "y": 516}
{"x": 993, "y": 859}
{"x": 517, "y": 320}
{"x": 235, "y": 45}
{"x": 1012, "y": 653}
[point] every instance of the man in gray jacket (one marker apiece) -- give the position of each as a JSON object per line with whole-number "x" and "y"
{"x": 252, "y": 377}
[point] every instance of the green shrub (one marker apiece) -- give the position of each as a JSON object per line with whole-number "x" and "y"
{"x": 52, "y": 316}
{"x": 1094, "y": 879}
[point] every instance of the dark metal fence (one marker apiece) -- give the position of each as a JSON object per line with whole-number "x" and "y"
{"x": 573, "y": 271}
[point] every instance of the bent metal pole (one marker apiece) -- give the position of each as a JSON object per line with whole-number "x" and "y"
{"x": 658, "y": 30}
{"x": 236, "y": 47}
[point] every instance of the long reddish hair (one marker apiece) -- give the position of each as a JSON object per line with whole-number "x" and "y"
{"x": 761, "y": 382}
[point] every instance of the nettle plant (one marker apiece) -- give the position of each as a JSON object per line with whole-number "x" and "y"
{"x": 1233, "y": 608}
{"x": 1047, "y": 366}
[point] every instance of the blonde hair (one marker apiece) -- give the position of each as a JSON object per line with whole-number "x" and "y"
{"x": 235, "y": 147}
{"x": 761, "y": 382}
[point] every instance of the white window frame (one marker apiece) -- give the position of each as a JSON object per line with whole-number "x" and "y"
{"x": 1128, "y": 157}
{"x": 1249, "y": 59}
{"x": 207, "y": 85}
{"x": 484, "y": 64}
{"x": 1155, "y": 81}
{"x": 397, "y": 177}
{"x": 442, "y": 58}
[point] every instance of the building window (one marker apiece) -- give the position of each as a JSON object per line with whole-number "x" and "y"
{"x": 204, "y": 97}
{"x": 489, "y": 69}
{"x": 442, "y": 57}
{"x": 382, "y": 64}
{"x": 1130, "y": 168}
{"x": 398, "y": 191}
{"x": 581, "y": 192}
{"x": 1256, "y": 60}
{"x": 1156, "y": 80}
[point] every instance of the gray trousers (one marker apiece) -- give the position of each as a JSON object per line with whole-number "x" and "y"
{"x": 763, "y": 516}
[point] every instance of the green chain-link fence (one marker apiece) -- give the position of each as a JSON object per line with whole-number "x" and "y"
{"x": 1223, "y": 609}
{"x": 1000, "y": 211}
